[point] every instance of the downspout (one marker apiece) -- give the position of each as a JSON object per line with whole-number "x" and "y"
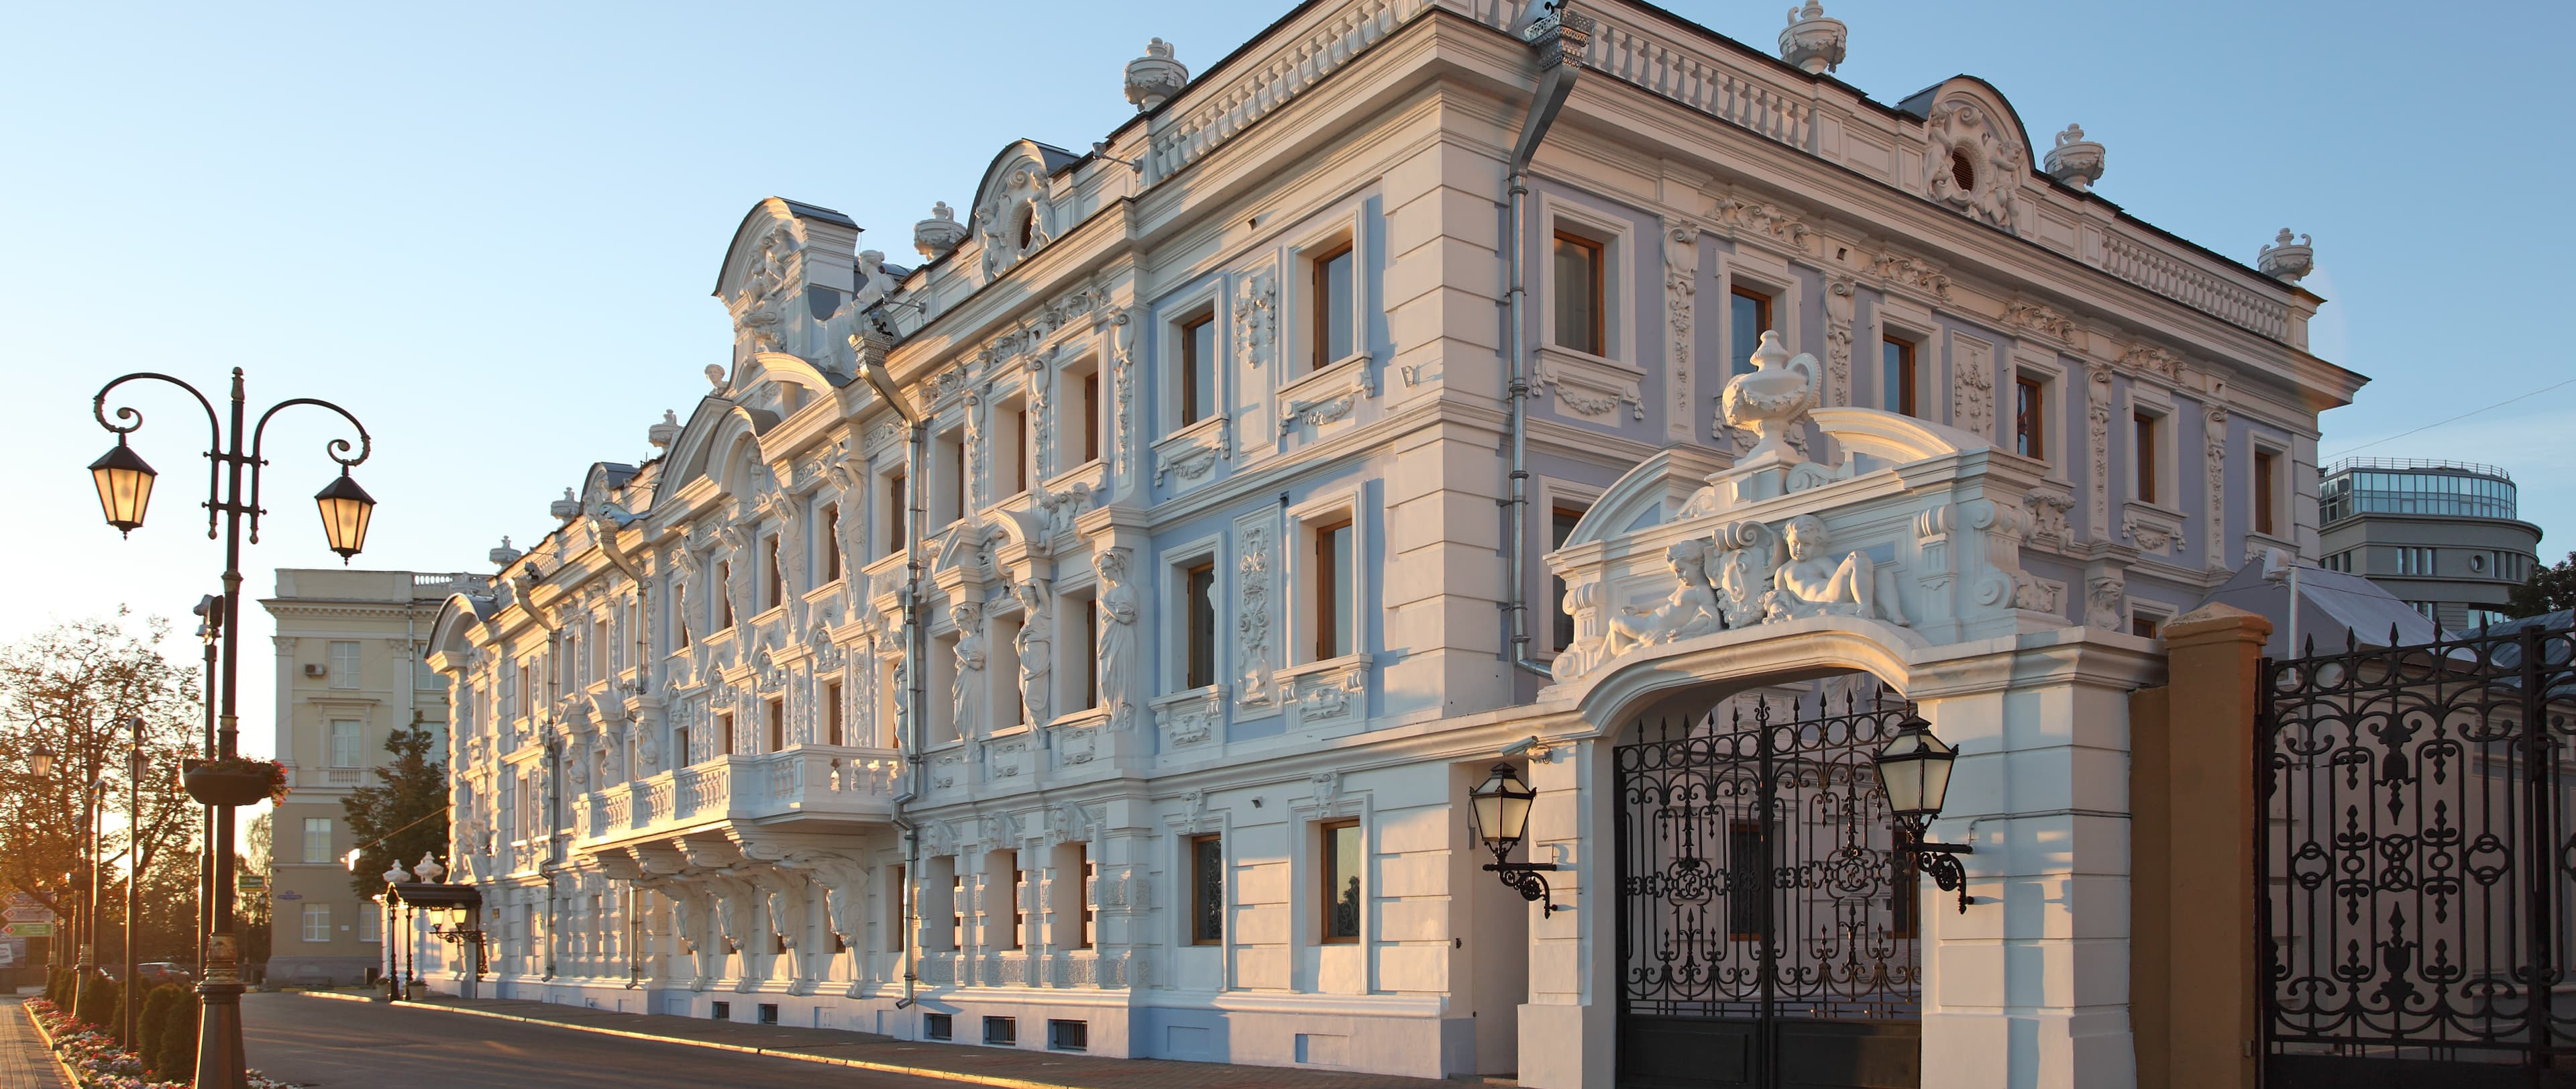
{"x": 871, "y": 343}
{"x": 1558, "y": 38}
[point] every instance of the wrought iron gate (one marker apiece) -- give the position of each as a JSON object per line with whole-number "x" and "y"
{"x": 2418, "y": 863}
{"x": 1765, "y": 936}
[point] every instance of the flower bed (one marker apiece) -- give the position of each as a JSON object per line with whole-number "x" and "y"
{"x": 93, "y": 1060}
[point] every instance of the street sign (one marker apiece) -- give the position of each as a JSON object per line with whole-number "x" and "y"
{"x": 21, "y": 899}
{"x": 28, "y": 930}
{"x": 28, "y": 914}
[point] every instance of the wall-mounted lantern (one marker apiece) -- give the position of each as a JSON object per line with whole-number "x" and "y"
{"x": 1914, "y": 769}
{"x": 1499, "y": 808}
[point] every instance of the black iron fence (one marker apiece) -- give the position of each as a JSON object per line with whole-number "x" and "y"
{"x": 2418, "y": 863}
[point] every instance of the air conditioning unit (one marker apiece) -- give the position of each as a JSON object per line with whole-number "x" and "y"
{"x": 312, "y": 669}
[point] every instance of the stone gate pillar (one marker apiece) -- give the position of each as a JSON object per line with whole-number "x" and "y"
{"x": 2030, "y": 986}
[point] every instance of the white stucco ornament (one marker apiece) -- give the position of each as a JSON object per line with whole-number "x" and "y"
{"x": 2288, "y": 257}
{"x": 936, "y": 236}
{"x": 663, "y": 434}
{"x": 1812, "y": 41}
{"x": 2076, "y": 160}
{"x": 1768, "y": 401}
{"x": 1154, "y": 78}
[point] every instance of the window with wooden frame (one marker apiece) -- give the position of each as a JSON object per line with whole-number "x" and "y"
{"x": 1090, "y": 873}
{"x": 1207, "y": 889}
{"x": 957, "y": 911}
{"x": 1561, "y": 522}
{"x": 1332, "y": 587}
{"x": 1896, "y": 375}
{"x": 2030, "y": 403}
{"x": 1580, "y": 276}
{"x": 2145, "y": 627}
{"x": 679, "y": 614}
{"x": 680, "y": 745}
{"x": 1198, "y": 591}
{"x": 1019, "y": 907}
{"x": 724, "y": 734}
{"x": 1748, "y": 316}
{"x": 898, "y": 924}
{"x": 1198, "y": 367}
{"x": 777, "y": 710}
{"x": 724, "y": 601}
{"x": 1087, "y": 623}
{"x": 1087, "y": 407}
{"x": 1011, "y": 448}
{"x": 831, "y": 544}
{"x": 2142, "y": 452}
{"x": 1340, "y": 884}
{"x": 952, "y": 470}
{"x": 2264, "y": 465}
{"x": 832, "y": 713}
{"x": 1329, "y": 278}
{"x": 775, "y": 583}
{"x": 897, "y": 536}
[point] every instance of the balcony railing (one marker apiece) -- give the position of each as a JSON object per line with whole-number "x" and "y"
{"x": 825, "y": 781}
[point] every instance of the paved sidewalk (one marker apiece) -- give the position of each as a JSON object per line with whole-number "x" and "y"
{"x": 24, "y": 1062}
{"x": 1010, "y": 1068}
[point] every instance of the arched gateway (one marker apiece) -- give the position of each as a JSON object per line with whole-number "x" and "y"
{"x": 1752, "y": 922}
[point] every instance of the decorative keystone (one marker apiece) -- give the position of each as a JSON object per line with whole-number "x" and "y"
{"x": 1154, "y": 78}
{"x": 1813, "y": 42}
{"x": 940, "y": 234}
{"x": 2076, "y": 160}
{"x": 2287, "y": 258}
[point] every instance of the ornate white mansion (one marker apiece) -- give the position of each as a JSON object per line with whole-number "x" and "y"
{"x": 1088, "y": 637}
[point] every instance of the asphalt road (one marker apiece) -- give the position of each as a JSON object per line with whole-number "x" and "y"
{"x": 363, "y": 1045}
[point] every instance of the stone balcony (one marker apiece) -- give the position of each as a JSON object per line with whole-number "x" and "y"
{"x": 809, "y": 787}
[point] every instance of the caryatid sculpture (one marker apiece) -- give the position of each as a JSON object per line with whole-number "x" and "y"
{"x": 1118, "y": 606}
{"x": 966, "y": 695}
{"x": 1036, "y": 644}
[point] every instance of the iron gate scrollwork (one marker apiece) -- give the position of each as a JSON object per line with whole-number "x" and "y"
{"x": 1766, "y": 923}
{"x": 2418, "y": 863}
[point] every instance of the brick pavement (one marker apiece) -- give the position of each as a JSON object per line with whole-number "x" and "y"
{"x": 1010, "y": 1068}
{"x": 24, "y": 1061}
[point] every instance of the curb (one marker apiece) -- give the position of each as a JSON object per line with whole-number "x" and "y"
{"x": 56, "y": 1057}
{"x": 1000, "y": 1081}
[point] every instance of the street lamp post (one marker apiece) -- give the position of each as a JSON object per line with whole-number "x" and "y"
{"x": 210, "y": 630}
{"x": 125, "y": 484}
{"x": 394, "y": 875}
{"x": 134, "y": 768}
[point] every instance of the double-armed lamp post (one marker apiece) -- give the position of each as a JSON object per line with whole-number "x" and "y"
{"x": 125, "y": 482}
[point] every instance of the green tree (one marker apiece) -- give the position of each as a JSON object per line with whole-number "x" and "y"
{"x": 174, "y": 1053}
{"x": 2552, "y": 588}
{"x": 401, "y": 817}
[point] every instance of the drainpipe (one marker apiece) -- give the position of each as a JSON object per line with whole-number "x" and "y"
{"x": 871, "y": 343}
{"x": 1559, "y": 39}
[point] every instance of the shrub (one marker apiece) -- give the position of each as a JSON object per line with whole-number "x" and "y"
{"x": 156, "y": 1016}
{"x": 97, "y": 1004}
{"x": 174, "y": 1052}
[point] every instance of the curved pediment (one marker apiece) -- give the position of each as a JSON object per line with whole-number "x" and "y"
{"x": 1012, "y": 215}
{"x": 1976, "y": 152}
{"x": 714, "y": 434}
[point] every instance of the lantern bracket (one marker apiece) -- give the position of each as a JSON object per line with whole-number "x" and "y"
{"x": 1938, "y": 861}
{"x": 1523, "y": 878}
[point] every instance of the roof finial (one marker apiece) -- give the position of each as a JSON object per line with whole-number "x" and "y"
{"x": 2076, "y": 160}
{"x": 940, "y": 234}
{"x": 1813, "y": 42}
{"x": 1154, "y": 78}
{"x": 504, "y": 555}
{"x": 663, "y": 434}
{"x": 2286, "y": 259}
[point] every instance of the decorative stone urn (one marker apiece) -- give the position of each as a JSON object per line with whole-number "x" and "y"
{"x": 940, "y": 234}
{"x": 567, "y": 507}
{"x": 1154, "y": 78}
{"x": 1768, "y": 401}
{"x": 2287, "y": 259}
{"x": 2076, "y": 160}
{"x": 663, "y": 434}
{"x": 1813, "y": 42}
{"x": 505, "y": 555}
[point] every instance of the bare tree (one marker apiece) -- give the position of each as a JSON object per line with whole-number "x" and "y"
{"x": 71, "y": 691}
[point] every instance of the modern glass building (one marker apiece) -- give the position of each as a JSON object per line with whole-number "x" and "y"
{"x": 2440, "y": 534}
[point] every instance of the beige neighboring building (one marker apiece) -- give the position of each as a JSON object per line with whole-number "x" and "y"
{"x": 348, "y": 673}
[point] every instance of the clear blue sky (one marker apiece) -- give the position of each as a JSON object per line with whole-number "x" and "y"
{"x": 490, "y": 231}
